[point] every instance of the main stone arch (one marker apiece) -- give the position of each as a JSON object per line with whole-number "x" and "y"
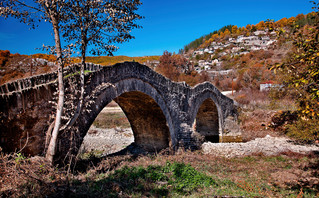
{"x": 147, "y": 120}
{"x": 144, "y": 107}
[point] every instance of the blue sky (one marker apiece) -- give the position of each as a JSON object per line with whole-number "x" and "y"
{"x": 168, "y": 24}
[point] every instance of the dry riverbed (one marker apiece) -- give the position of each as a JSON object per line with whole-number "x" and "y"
{"x": 107, "y": 141}
{"x": 104, "y": 138}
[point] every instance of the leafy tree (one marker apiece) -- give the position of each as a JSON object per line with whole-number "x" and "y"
{"x": 4, "y": 55}
{"x": 234, "y": 29}
{"x": 301, "y": 73}
{"x": 168, "y": 67}
{"x": 260, "y": 25}
{"x": 282, "y": 22}
{"x": 98, "y": 23}
{"x": 269, "y": 23}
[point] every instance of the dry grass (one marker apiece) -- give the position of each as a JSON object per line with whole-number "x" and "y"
{"x": 24, "y": 177}
{"x": 111, "y": 120}
{"x": 256, "y": 110}
{"x": 111, "y": 60}
{"x": 285, "y": 175}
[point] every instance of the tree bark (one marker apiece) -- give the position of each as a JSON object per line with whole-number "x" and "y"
{"x": 52, "y": 145}
{"x": 82, "y": 81}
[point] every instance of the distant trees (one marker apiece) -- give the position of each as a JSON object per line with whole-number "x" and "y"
{"x": 4, "y": 56}
{"x": 177, "y": 68}
{"x": 225, "y": 32}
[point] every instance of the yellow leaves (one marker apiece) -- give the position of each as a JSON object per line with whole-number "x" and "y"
{"x": 304, "y": 81}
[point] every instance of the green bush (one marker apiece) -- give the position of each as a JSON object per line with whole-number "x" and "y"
{"x": 304, "y": 129}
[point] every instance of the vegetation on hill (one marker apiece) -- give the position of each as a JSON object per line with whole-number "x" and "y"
{"x": 224, "y": 33}
{"x": 111, "y": 60}
{"x": 178, "y": 68}
{"x": 16, "y": 66}
{"x": 198, "y": 42}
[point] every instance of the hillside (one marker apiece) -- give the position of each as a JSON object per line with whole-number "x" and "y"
{"x": 111, "y": 60}
{"x": 225, "y": 32}
{"x": 240, "y": 57}
{"x": 16, "y": 66}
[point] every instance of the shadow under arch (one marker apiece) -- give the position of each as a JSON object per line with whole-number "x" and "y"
{"x": 147, "y": 120}
{"x": 207, "y": 120}
{"x": 144, "y": 107}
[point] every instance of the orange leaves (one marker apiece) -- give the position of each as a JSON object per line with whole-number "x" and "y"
{"x": 4, "y": 55}
{"x": 50, "y": 58}
{"x": 177, "y": 68}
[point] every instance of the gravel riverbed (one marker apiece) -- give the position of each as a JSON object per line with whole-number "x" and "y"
{"x": 266, "y": 146}
{"x": 113, "y": 140}
{"x": 107, "y": 140}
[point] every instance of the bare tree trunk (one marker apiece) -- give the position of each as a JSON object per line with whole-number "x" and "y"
{"x": 80, "y": 103}
{"x": 52, "y": 145}
{"x": 48, "y": 136}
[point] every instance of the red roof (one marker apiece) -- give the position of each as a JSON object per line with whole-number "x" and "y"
{"x": 269, "y": 82}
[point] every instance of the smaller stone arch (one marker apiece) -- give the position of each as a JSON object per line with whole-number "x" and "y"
{"x": 207, "y": 121}
{"x": 207, "y": 106}
{"x": 206, "y": 116}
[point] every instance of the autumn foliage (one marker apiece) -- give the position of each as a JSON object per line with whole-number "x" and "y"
{"x": 177, "y": 68}
{"x": 111, "y": 60}
{"x": 232, "y": 30}
{"x": 16, "y": 66}
{"x": 4, "y": 55}
{"x": 300, "y": 73}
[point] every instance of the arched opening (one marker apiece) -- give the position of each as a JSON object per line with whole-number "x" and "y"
{"x": 207, "y": 122}
{"x": 142, "y": 114}
{"x": 147, "y": 120}
{"x": 109, "y": 133}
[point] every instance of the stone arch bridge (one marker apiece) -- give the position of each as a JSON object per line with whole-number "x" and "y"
{"x": 162, "y": 113}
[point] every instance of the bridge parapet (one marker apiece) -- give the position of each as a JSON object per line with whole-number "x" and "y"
{"x": 42, "y": 79}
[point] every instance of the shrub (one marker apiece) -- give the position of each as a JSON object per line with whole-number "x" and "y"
{"x": 304, "y": 129}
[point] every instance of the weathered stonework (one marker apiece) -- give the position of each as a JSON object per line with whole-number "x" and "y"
{"x": 162, "y": 113}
